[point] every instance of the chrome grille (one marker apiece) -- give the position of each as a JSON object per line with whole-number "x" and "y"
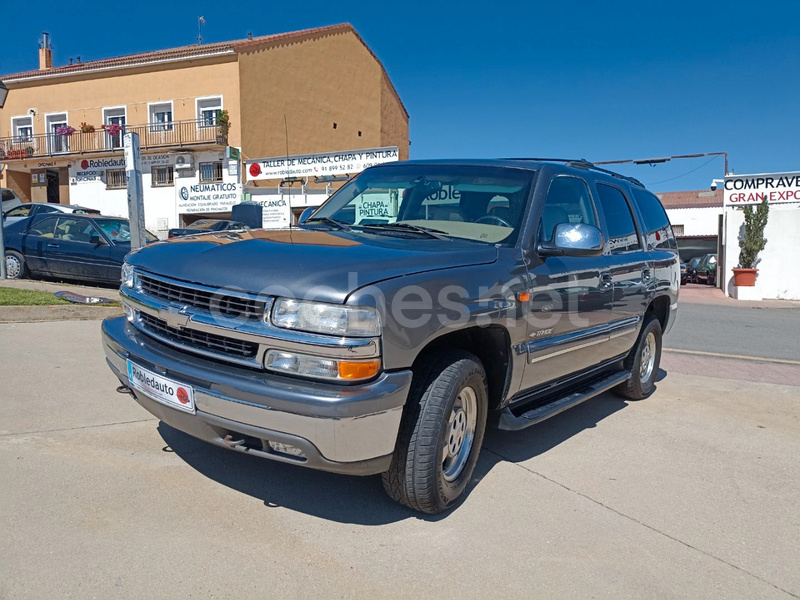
{"x": 210, "y": 342}
{"x": 217, "y": 303}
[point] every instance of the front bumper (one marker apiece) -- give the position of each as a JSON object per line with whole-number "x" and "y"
{"x": 340, "y": 428}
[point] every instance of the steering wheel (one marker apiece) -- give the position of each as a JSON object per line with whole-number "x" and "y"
{"x": 494, "y": 219}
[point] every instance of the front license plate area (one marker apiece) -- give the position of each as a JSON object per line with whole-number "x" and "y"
{"x": 159, "y": 388}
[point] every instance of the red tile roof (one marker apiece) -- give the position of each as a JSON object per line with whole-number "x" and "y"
{"x": 196, "y": 51}
{"x": 694, "y": 199}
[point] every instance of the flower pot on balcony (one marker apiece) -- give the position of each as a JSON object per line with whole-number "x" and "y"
{"x": 744, "y": 277}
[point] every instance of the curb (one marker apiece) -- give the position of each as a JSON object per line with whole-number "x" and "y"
{"x": 39, "y": 314}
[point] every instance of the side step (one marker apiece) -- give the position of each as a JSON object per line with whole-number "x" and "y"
{"x": 511, "y": 422}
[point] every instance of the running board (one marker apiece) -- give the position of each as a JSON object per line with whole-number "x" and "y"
{"x": 511, "y": 422}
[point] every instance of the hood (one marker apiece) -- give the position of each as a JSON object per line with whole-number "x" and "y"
{"x": 298, "y": 263}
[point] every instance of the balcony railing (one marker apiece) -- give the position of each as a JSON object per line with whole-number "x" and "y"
{"x": 177, "y": 134}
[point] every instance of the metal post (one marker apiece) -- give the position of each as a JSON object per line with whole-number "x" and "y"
{"x": 2, "y": 239}
{"x": 133, "y": 171}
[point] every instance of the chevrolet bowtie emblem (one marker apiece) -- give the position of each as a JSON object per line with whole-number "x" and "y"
{"x": 173, "y": 318}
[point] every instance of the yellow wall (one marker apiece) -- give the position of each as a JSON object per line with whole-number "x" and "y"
{"x": 316, "y": 83}
{"x": 83, "y": 97}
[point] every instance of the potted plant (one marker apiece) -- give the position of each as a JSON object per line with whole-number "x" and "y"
{"x": 112, "y": 129}
{"x": 751, "y": 242}
{"x": 86, "y": 128}
{"x": 65, "y": 130}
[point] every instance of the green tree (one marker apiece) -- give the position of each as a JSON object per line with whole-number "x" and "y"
{"x": 753, "y": 241}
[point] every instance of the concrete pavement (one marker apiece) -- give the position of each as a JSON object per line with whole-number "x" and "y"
{"x": 692, "y": 493}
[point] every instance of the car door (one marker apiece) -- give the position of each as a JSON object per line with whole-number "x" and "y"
{"x": 75, "y": 251}
{"x": 626, "y": 262}
{"x": 570, "y": 302}
{"x": 37, "y": 235}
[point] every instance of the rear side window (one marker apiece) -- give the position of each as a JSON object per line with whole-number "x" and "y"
{"x": 656, "y": 222}
{"x": 622, "y": 235}
{"x": 8, "y": 195}
{"x": 20, "y": 211}
{"x": 568, "y": 201}
{"x": 44, "y": 227}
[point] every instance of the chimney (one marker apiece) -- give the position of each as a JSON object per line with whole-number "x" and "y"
{"x": 45, "y": 52}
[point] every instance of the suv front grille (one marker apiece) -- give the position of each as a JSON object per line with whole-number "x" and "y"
{"x": 218, "y": 344}
{"x": 219, "y": 303}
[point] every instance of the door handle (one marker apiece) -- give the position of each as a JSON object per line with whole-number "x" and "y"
{"x": 52, "y": 245}
{"x": 606, "y": 281}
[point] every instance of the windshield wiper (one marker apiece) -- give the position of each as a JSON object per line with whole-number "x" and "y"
{"x": 404, "y": 227}
{"x": 328, "y": 221}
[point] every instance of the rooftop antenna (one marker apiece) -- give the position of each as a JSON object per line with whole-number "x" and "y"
{"x": 200, "y": 22}
{"x": 249, "y": 35}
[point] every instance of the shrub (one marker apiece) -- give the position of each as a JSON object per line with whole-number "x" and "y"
{"x": 752, "y": 241}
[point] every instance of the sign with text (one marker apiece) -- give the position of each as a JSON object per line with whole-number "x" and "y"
{"x": 319, "y": 165}
{"x": 207, "y": 197}
{"x": 775, "y": 188}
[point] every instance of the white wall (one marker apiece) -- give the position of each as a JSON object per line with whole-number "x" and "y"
{"x": 778, "y": 274}
{"x": 696, "y": 221}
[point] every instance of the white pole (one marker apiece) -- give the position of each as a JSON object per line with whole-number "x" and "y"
{"x": 133, "y": 171}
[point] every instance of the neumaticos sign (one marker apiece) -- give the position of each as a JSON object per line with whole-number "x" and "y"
{"x": 775, "y": 188}
{"x": 319, "y": 165}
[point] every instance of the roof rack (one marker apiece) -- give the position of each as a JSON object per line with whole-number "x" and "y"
{"x": 582, "y": 163}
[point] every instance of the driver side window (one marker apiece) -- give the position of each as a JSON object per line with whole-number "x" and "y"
{"x": 568, "y": 201}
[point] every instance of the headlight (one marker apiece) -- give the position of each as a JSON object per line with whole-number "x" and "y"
{"x": 331, "y": 319}
{"x": 321, "y": 367}
{"x": 128, "y": 275}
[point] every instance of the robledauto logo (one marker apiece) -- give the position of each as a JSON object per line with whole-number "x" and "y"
{"x": 84, "y": 164}
{"x": 255, "y": 170}
{"x": 185, "y": 193}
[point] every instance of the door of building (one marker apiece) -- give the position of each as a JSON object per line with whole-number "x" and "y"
{"x": 53, "y": 191}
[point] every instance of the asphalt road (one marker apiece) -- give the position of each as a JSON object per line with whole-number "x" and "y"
{"x": 692, "y": 493}
{"x": 764, "y": 332}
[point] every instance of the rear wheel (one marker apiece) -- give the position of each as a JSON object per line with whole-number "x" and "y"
{"x": 643, "y": 362}
{"x": 441, "y": 433}
{"x": 15, "y": 265}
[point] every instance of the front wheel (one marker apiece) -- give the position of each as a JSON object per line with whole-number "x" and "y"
{"x": 441, "y": 433}
{"x": 643, "y": 362}
{"x": 15, "y": 265}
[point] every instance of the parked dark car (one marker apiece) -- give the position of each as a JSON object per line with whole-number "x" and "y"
{"x": 706, "y": 270}
{"x": 690, "y": 268}
{"x": 31, "y": 209}
{"x": 206, "y": 226}
{"x": 495, "y": 293}
{"x": 69, "y": 246}
{"x": 684, "y": 273}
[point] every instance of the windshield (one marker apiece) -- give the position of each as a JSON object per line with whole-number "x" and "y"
{"x": 482, "y": 204}
{"x": 203, "y": 224}
{"x": 119, "y": 230}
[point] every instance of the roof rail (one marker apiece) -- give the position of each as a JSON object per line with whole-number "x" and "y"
{"x": 582, "y": 163}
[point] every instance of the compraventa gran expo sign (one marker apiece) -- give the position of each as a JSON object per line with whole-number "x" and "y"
{"x": 775, "y": 188}
{"x": 319, "y": 165}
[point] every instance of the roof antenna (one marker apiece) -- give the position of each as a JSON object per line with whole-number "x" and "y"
{"x": 249, "y": 35}
{"x": 200, "y": 22}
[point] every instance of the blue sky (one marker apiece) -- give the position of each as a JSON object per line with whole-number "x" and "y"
{"x": 597, "y": 80}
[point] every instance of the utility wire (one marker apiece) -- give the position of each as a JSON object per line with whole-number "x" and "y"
{"x": 684, "y": 175}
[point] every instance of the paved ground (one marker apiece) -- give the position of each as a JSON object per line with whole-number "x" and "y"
{"x": 692, "y": 493}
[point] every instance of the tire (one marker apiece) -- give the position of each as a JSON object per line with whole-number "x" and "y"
{"x": 448, "y": 399}
{"x": 643, "y": 378}
{"x": 15, "y": 265}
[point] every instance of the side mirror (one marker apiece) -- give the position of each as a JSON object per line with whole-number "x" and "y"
{"x": 305, "y": 214}
{"x": 573, "y": 239}
{"x": 96, "y": 240}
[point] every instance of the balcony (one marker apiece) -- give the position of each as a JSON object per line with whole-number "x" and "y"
{"x": 177, "y": 134}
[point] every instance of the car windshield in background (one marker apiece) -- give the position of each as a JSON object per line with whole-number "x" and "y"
{"x": 119, "y": 230}
{"x": 482, "y": 204}
{"x": 203, "y": 224}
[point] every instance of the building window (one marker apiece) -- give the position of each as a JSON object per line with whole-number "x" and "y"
{"x": 211, "y": 172}
{"x": 57, "y": 143}
{"x": 22, "y": 129}
{"x": 114, "y": 121}
{"x": 207, "y": 109}
{"x": 161, "y": 117}
{"x": 162, "y": 176}
{"x": 677, "y": 230}
{"x": 115, "y": 179}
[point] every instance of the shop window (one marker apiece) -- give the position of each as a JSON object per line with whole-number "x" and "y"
{"x": 162, "y": 176}
{"x": 211, "y": 172}
{"x": 116, "y": 179}
{"x": 207, "y": 109}
{"x": 161, "y": 117}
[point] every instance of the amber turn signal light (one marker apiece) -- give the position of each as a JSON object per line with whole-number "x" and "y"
{"x": 358, "y": 370}
{"x": 524, "y": 296}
